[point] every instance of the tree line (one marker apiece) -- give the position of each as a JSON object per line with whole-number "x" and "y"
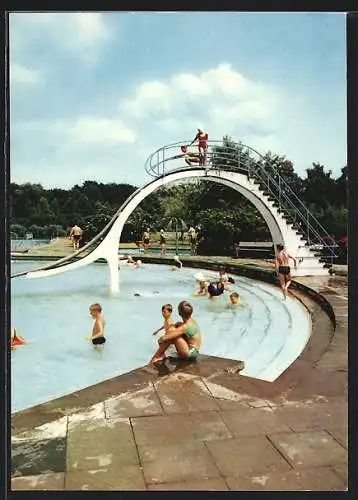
{"x": 223, "y": 214}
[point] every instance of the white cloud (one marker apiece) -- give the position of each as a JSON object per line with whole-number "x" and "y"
{"x": 221, "y": 100}
{"x": 81, "y": 34}
{"x": 24, "y": 76}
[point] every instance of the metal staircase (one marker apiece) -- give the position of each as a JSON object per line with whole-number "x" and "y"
{"x": 229, "y": 155}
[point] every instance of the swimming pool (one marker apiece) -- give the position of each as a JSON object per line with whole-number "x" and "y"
{"x": 52, "y": 314}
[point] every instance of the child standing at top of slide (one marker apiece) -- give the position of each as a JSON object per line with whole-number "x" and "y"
{"x": 167, "y": 310}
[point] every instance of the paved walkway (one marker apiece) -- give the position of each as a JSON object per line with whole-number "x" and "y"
{"x": 199, "y": 426}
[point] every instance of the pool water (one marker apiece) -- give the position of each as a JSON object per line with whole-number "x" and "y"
{"x": 52, "y": 314}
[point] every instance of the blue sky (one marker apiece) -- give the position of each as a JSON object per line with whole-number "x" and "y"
{"x": 94, "y": 94}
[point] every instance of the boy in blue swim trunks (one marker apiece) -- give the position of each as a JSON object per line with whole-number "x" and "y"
{"x": 184, "y": 335}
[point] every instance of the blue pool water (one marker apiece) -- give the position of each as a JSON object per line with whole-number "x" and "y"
{"x": 52, "y": 314}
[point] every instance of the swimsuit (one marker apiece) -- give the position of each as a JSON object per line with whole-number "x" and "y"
{"x": 162, "y": 240}
{"x": 98, "y": 340}
{"x": 146, "y": 241}
{"x": 214, "y": 290}
{"x": 285, "y": 270}
{"x": 193, "y": 352}
{"x": 190, "y": 332}
{"x": 203, "y": 140}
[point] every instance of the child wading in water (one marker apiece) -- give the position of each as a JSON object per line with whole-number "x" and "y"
{"x": 167, "y": 310}
{"x": 97, "y": 336}
{"x": 235, "y": 300}
{"x": 184, "y": 335}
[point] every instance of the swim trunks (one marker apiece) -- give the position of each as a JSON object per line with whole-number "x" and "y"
{"x": 285, "y": 270}
{"x": 76, "y": 237}
{"x": 146, "y": 241}
{"x": 214, "y": 291}
{"x": 98, "y": 340}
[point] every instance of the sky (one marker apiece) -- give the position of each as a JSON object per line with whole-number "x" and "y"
{"x": 93, "y": 94}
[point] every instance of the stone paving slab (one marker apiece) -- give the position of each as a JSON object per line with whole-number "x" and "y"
{"x": 340, "y": 434}
{"x": 178, "y": 428}
{"x": 191, "y": 395}
{"x": 324, "y": 415}
{"x": 33, "y": 457}
{"x": 93, "y": 445}
{"x": 51, "y": 481}
{"x": 315, "y": 479}
{"x": 309, "y": 449}
{"x": 217, "y": 484}
{"x": 253, "y": 421}
{"x": 246, "y": 455}
{"x": 321, "y": 381}
{"x": 174, "y": 462}
{"x": 127, "y": 477}
{"x": 342, "y": 471}
{"x": 134, "y": 404}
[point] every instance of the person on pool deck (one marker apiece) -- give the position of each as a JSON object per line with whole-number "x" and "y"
{"x": 184, "y": 335}
{"x": 76, "y": 235}
{"x": 167, "y": 310}
{"x": 202, "y": 138}
{"x": 163, "y": 243}
{"x": 97, "y": 336}
{"x": 146, "y": 238}
{"x": 283, "y": 268}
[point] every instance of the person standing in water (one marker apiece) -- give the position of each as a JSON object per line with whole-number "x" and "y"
{"x": 202, "y": 138}
{"x": 97, "y": 336}
{"x": 283, "y": 268}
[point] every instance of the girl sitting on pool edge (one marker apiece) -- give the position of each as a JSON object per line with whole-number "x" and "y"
{"x": 184, "y": 335}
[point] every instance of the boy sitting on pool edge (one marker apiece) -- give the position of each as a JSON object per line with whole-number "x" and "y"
{"x": 97, "y": 336}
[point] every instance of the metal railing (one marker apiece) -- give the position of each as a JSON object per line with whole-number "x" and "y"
{"x": 228, "y": 155}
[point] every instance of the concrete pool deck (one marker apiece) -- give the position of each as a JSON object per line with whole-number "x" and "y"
{"x": 201, "y": 426}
